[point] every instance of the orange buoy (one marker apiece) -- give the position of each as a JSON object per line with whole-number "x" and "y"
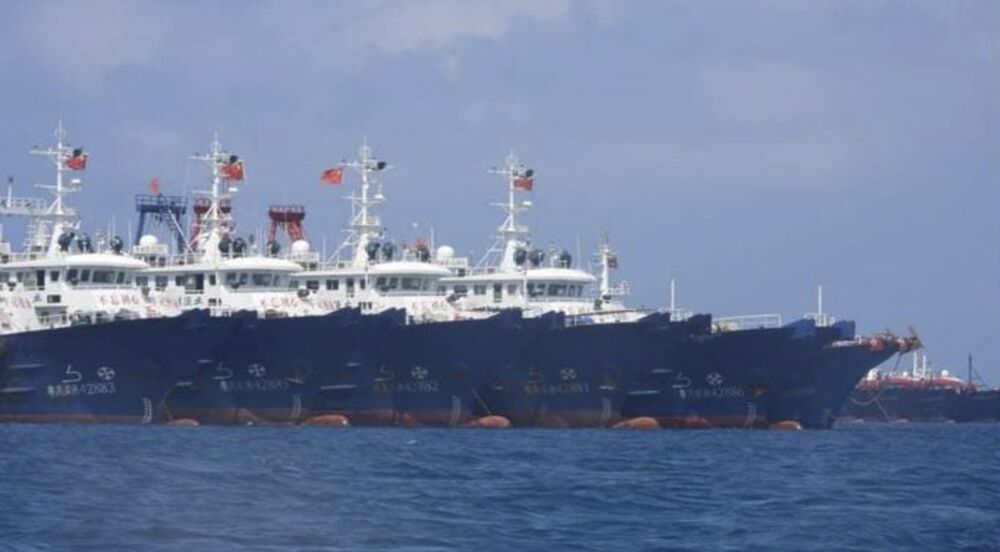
{"x": 789, "y": 425}
{"x": 185, "y": 422}
{"x": 642, "y": 422}
{"x": 329, "y": 420}
{"x": 489, "y": 422}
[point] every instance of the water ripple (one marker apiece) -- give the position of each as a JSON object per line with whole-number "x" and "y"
{"x": 860, "y": 487}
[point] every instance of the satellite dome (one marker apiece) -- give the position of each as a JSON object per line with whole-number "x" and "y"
{"x": 148, "y": 240}
{"x": 445, "y": 252}
{"x": 300, "y": 247}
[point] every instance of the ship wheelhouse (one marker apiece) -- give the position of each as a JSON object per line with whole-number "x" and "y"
{"x": 219, "y": 271}
{"x": 59, "y": 278}
{"x": 405, "y": 284}
{"x": 261, "y": 284}
{"x": 77, "y": 288}
{"x": 539, "y": 289}
{"x": 368, "y": 271}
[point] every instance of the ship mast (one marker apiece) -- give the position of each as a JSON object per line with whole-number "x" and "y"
{"x": 61, "y": 216}
{"x": 47, "y": 221}
{"x": 216, "y": 223}
{"x": 605, "y": 259}
{"x": 366, "y": 226}
{"x": 511, "y": 235}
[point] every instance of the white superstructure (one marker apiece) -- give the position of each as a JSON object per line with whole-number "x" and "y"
{"x": 369, "y": 271}
{"x": 63, "y": 276}
{"x": 219, "y": 272}
{"x": 516, "y": 274}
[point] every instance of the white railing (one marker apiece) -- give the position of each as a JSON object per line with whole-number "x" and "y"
{"x": 22, "y": 206}
{"x": 746, "y": 322}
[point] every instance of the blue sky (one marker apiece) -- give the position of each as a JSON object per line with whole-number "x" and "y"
{"x": 750, "y": 149}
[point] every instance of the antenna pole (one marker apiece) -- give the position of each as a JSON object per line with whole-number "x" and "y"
{"x": 673, "y": 294}
{"x": 819, "y": 301}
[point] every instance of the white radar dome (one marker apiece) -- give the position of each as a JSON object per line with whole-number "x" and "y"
{"x": 445, "y": 252}
{"x": 148, "y": 240}
{"x": 300, "y": 246}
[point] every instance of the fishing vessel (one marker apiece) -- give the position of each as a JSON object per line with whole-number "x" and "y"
{"x": 429, "y": 361}
{"x": 921, "y": 394}
{"x": 79, "y": 341}
{"x": 278, "y": 345}
{"x": 607, "y": 364}
{"x": 381, "y": 333}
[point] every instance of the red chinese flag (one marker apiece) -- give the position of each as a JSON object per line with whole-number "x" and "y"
{"x": 524, "y": 183}
{"x": 613, "y": 261}
{"x": 154, "y": 186}
{"x": 78, "y": 161}
{"x": 233, "y": 171}
{"x": 332, "y": 176}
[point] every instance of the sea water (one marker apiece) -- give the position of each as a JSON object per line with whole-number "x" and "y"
{"x": 857, "y": 487}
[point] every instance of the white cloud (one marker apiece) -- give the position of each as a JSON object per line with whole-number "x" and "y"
{"x": 84, "y": 42}
{"x": 408, "y": 26}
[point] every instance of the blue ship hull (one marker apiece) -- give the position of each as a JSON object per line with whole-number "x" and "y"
{"x": 268, "y": 370}
{"x": 575, "y": 375}
{"x": 111, "y": 372}
{"x": 377, "y": 370}
{"x": 431, "y": 374}
{"x": 753, "y": 378}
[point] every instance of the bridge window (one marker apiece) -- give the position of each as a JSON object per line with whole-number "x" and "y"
{"x": 512, "y": 289}
{"x": 411, "y": 284}
{"x": 557, "y": 290}
{"x": 54, "y": 276}
{"x": 460, "y": 291}
{"x": 211, "y": 280}
{"x": 332, "y": 285}
{"x": 142, "y": 281}
{"x": 536, "y": 290}
{"x": 261, "y": 279}
{"x": 312, "y": 285}
{"x": 161, "y": 283}
{"x": 237, "y": 279}
{"x": 479, "y": 290}
{"x": 121, "y": 278}
{"x": 85, "y": 275}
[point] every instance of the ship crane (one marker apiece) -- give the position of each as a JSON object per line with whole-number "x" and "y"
{"x": 288, "y": 218}
{"x": 162, "y": 211}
